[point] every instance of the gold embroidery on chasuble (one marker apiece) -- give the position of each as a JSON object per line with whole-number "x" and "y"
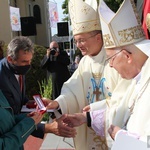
{"x": 96, "y": 88}
{"x": 96, "y": 142}
{"x": 97, "y": 92}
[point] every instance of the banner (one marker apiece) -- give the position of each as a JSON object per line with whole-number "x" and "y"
{"x": 15, "y": 19}
{"x": 53, "y": 13}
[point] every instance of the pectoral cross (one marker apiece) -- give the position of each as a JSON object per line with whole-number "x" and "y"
{"x": 97, "y": 93}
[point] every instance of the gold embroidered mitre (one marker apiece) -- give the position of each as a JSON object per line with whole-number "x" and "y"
{"x": 120, "y": 28}
{"x": 84, "y": 16}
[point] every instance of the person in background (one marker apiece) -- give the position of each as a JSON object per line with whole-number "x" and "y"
{"x": 15, "y": 129}
{"x": 93, "y": 81}
{"x": 56, "y": 62}
{"x": 13, "y": 68}
{"x": 75, "y": 64}
{"x": 131, "y": 59}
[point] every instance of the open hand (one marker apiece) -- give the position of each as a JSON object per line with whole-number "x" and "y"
{"x": 86, "y": 108}
{"x": 113, "y": 130}
{"x": 46, "y": 101}
{"x": 76, "y": 119}
{"x": 60, "y": 128}
{"x": 53, "y": 105}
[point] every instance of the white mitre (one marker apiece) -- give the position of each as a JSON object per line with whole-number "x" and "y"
{"x": 84, "y": 16}
{"x": 123, "y": 27}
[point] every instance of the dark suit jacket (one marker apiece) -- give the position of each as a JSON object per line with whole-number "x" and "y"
{"x": 58, "y": 69}
{"x": 11, "y": 89}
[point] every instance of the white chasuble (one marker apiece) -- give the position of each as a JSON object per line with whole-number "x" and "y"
{"x": 133, "y": 111}
{"x": 92, "y": 81}
{"x": 139, "y": 121}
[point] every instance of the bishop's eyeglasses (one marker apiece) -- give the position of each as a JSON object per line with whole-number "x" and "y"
{"x": 111, "y": 58}
{"x": 83, "y": 40}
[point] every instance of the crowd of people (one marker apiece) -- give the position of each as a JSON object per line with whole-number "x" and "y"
{"x": 105, "y": 95}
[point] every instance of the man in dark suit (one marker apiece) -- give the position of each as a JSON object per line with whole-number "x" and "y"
{"x": 15, "y": 65}
{"x": 12, "y": 81}
{"x": 56, "y": 61}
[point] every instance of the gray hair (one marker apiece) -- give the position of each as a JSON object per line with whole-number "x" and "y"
{"x": 19, "y": 43}
{"x": 96, "y": 32}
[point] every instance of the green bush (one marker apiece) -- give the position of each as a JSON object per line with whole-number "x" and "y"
{"x": 36, "y": 75}
{"x": 36, "y": 80}
{"x": 46, "y": 88}
{"x": 46, "y": 91}
{"x": 114, "y": 4}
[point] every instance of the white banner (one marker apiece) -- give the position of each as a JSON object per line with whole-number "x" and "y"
{"x": 53, "y": 13}
{"x": 15, "y": 19}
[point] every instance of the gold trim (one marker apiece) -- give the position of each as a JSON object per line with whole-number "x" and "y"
{"x": 130, "y": 34}
{"x": 97, "y": 75}
{"x": 107, "y": 40}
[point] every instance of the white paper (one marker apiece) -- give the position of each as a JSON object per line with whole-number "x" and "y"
{"x": 125, "y": 142}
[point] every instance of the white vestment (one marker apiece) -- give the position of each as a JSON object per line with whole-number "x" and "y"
{"x": 78, "y": 92}
{"x": 133, "y": 111}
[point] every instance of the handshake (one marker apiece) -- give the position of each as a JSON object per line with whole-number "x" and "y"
{"x": 71, "y": 120}
{"x": 64, "y": 124}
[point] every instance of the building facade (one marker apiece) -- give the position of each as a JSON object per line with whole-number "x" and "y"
{"x": 28, "y": 8}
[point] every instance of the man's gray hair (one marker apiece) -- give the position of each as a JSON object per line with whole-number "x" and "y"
{"x": 19, "y": 43}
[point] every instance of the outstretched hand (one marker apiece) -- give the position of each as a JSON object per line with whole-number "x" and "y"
{"x": 50, "y": 104}
{"x": 74, "y": 120}
{"x": 86, "y": 108}
{"x": 60, "y": 128}
{"x": 53, "y": 105}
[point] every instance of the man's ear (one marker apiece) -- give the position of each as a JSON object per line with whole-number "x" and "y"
{"x": 9, "y": 59}
{"x": 128, "y": 55}
{"x": 99, "y": 37}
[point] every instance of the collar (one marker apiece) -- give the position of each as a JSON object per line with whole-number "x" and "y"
{"x": 137, "y": 78}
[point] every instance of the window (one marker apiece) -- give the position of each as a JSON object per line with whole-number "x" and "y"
{"x": 37, "y": 14}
